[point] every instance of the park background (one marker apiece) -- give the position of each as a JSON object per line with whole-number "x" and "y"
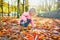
{"x": 44, "y": 8}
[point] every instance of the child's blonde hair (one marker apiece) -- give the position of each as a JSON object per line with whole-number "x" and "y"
{"x": 32, "y": 10}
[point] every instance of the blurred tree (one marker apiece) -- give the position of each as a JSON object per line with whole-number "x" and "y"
{"x": 0, "y": 9}
{"x": 23, "y": 6}
{"x": 58, "y": 4}
{"x": 5, "y": 7}
{"x": 8, "y": 9}
{"x": 1, "y": 5}
{"x": 51, "y": 4}
{"x": 13, "y": 8}
{"x": 18, "y": 12}
{"x": 26, "y": 5}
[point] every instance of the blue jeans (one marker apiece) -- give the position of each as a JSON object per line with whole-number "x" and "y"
{"x": 22, "y": 23}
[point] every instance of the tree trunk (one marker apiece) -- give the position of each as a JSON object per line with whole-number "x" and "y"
{"x": 8, "y": 9}
{"x": 18, "y": 12}
{"x": 2, "y": 7}
{"x": 23, "y": 6}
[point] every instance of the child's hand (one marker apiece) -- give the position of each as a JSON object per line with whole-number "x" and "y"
{"x": 34, "y": 26}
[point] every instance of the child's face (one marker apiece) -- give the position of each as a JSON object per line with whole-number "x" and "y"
{"x": 32, "y": 13}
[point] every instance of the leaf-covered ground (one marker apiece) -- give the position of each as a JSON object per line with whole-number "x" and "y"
{"x": 46, "y": 29}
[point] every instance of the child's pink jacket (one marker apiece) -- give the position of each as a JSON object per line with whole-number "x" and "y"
{"x": 24, "y": 17}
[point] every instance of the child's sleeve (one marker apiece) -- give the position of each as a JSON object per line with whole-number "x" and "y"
{"x": 32, "y": 22}
{"x": 22, "y": 17}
